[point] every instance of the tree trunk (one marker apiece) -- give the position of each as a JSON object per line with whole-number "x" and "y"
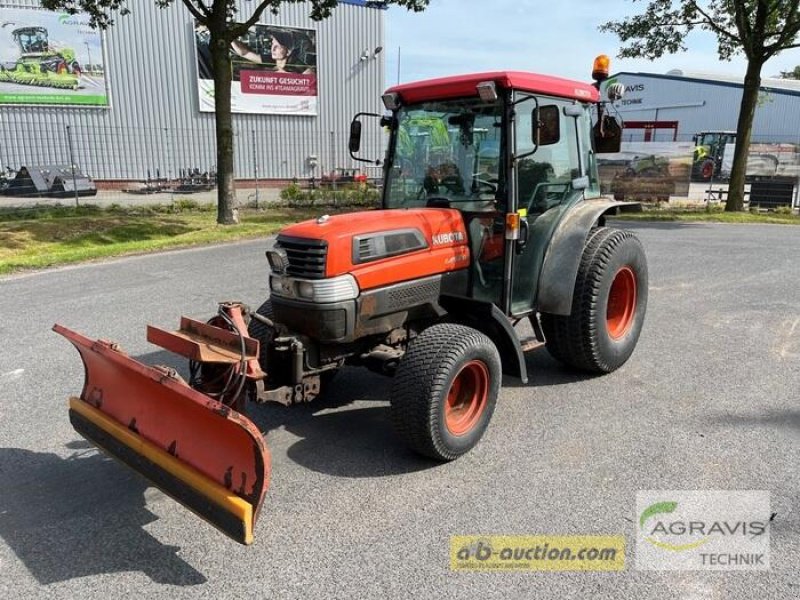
{"x": 744, "y": 129}
{"x": 227, "y": 210}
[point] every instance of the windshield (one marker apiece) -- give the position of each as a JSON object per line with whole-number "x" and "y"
{"x": 447, "y": 153}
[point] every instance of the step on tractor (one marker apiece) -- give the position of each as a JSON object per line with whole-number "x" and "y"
{"x": 39, "y": 63}
{"x": 496, "y": 220}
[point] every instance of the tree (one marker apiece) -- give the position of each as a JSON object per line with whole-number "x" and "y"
{"x": 793, "y": 74}
{"x": 759, "y": 29}
{"x": 220, "y": 17}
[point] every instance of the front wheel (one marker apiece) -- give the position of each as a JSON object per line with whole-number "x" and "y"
{"x": 445, "y": 390}
{"x": 608, "y": 305}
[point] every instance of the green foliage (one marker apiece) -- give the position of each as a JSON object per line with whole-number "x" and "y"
{"x": 291, "y": 193}
{"x": 757, "y": 28}
{"x": 185, "y": 204}
{"x": 103, "y": 12}
{"x": 793, "y": 74}
{"x": 349, "y": 195}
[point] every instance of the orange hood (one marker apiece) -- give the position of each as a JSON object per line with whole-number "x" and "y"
{"x": 442, "y": 228}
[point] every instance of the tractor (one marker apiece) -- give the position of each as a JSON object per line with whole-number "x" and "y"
{"x": 41, "y": 65}
{"x": 499, "y": 222}
{"x": 709, "y": 150}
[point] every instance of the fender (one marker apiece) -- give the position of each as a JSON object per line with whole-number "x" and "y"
{"x": 488, "y": 319}
{"x": 563, "y": 258}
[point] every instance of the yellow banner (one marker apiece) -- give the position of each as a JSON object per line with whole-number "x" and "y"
{"x": 537, "y": 553}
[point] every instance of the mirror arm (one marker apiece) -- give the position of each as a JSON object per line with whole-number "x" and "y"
{"x": 352, "y": 154}
{"x": 517, "y": 157}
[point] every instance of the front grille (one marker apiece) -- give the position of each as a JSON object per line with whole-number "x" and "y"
{"x": 306, "y": 257}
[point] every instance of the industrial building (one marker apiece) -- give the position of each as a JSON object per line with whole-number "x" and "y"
{"x": 679, "y": 104}
{"x": 142, "y": 108}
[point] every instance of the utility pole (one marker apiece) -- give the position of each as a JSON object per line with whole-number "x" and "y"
{"x": 89, "y": 52}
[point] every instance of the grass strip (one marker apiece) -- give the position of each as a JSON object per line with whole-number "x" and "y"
{"x": 34, "y": 239}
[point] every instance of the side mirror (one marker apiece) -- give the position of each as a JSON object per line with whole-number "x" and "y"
{"x": 355, "y": 136}
{"x": 546, "y": 123}
{"x": 354, "y": 143}
{"x": 607, "y": 135}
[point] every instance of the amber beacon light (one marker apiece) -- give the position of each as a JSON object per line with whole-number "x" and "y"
{"x": 600, "y": 68}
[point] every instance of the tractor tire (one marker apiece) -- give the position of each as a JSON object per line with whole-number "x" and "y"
{"x": 608, "y": 305}
{"x": 445, "y": 390}
{"x": 707, "y": 170}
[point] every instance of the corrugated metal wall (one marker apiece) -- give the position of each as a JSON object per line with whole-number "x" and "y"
{"x": 705, "y": 105}
{"x": 154, "y": 122}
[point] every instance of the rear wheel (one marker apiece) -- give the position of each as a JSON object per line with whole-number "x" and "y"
{"x": 445, "y": 390}
{"x": 608, "y": 305}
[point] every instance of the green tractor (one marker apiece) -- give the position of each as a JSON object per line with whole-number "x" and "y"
{"x": 40, "y": 65}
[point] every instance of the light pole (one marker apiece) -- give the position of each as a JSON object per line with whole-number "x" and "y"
{"x": 89, "y": 52}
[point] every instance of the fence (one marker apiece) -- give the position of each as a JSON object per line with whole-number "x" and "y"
{"x": 153, "y": 165}
{"x": 126, "y": 163}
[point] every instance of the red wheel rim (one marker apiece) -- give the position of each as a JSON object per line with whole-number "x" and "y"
{"x": 466, "y": 399}
{"x": 621, "y": 303}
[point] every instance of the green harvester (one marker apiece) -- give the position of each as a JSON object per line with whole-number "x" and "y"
{"x": 40, "y": 65}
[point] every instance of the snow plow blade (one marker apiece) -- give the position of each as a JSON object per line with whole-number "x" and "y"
{"x": 208, "y": 457}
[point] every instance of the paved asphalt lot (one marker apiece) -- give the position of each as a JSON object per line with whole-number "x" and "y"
{"x": 708, "y": 401}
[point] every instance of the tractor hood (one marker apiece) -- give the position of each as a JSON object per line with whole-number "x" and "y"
{"x": 381, "y": 247}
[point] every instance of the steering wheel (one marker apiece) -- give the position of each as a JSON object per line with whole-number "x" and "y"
{"x": 453, "y": 184}
{"x": 437, "y": 202}
{"x": 484, "y": 185}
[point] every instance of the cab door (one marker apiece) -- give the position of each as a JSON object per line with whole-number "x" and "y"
{"x": 546, "y": 179}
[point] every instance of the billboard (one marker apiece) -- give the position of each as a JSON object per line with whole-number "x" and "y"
{"x": 50, "y": 58}
{"x": 274, "y": 71}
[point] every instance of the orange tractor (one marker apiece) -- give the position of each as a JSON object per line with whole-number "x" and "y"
{"x": 494, "y": 220}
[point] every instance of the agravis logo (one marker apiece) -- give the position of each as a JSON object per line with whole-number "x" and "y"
{"x": 696, "y": 530}
{"x": 68, "y": 19}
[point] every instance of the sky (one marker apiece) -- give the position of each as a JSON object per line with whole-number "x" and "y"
{"x": 552, "y": 38}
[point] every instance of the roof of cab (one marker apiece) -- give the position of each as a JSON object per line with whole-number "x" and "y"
{"x": 464, "y": 85}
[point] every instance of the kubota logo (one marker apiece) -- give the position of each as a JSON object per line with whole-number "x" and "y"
{"x": 448, "y": 238}
{"x": 683, "y": 534}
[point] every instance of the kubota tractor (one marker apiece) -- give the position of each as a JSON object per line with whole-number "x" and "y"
{"x": 502, "y": 224}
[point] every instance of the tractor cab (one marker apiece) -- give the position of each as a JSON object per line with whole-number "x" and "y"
{"x": 32, "y": 41}
{"x": 512, "y": 151}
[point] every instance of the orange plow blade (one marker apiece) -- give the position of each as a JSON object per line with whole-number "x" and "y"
{"x": 205, "y": 455}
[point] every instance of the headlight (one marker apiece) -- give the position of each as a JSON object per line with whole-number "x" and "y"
{"x": 305, "y": 289}
{"x": 278, "y": 260}
{"x": 335, "y": 289}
